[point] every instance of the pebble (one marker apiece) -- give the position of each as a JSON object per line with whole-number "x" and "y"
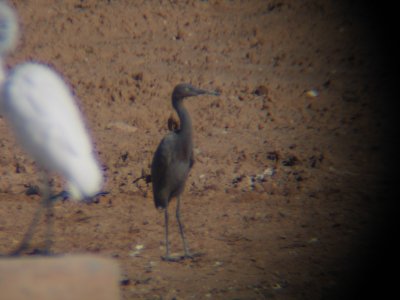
{"x": 312, "y": 93}
{"x": 137, "y": 251}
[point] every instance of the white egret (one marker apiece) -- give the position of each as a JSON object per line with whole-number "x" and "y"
{"x": 46, "y": 120}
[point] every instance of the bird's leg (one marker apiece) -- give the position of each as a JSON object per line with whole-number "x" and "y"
{"x": 167, "y": 256}
{"x": 166, "y": 232}
{"x": 29, "y": 233}
{"x": 178, "y": 218}
{"x": 36, "y": 217}
{"x": 49, "y": 204}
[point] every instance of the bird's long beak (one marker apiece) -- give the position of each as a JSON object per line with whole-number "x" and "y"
{"x": 214, "y": 93}
{"x": 201, "y": 92}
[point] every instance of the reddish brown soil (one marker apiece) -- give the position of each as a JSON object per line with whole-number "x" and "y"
{"x": 287, "y": 186}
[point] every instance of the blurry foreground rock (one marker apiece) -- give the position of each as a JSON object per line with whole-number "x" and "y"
{"x": 59, "y": 277}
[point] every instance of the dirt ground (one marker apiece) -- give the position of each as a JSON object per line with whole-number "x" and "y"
{"x": 288, "y": 190}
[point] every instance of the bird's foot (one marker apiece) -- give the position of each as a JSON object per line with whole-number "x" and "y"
{"x": 21, "y": 248}
{"x": 42, "y": 252}
{"x": 187, "y": 255}
{"x": 63, "y": 195}
{"x": 36, "y": 251}
{"x": 170, "y": 258}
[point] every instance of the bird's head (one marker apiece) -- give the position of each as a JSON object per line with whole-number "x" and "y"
{"x": 184, "y": 90}
{"x": 8, "y": 29}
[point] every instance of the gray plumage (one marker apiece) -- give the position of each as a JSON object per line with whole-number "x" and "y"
{"x": 173, "y": 160}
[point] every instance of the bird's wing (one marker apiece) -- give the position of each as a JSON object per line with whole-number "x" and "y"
{"x": 160, "y": 169}
{"x": 37, "y": 99}
{"x": 163, "y": 157}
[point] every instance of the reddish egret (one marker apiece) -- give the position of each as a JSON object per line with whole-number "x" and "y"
{"x": 172, "y": 162}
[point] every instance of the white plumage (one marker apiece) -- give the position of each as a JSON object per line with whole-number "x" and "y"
{"x": 46, "y": 120}
{"x": 43, "y": 113}
{"x": 41, "y": 109}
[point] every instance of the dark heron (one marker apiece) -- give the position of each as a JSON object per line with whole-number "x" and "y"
{"x": 172, "y": 162}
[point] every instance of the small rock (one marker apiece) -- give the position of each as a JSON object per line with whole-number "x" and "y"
{"x": 32, "y": 190}
{"x": 237, "y": 179}
{"x": 218, "y": 264}
{"x": 312, "y": 93}
{"x": 290, "y": 161}
{"x": 314, "y": 160}
{"x": 137, "y": 251}
{"x": 261, "y": 91}
{"x": 138, "y": 76}
{"x": 269, "y": 171}
{"x": 125, "y": 281}
{"x": 273, "y": 155}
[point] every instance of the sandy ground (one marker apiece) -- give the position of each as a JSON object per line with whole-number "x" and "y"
{"x": 288, "y": 189}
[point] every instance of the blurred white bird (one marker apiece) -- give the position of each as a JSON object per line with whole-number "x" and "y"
{"x": 48, "y": 124}
{"x": 41, "y": 110}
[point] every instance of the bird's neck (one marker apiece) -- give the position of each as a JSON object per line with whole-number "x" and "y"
{"x": 184, "y": 118}
{"x": 185, "y": 143}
